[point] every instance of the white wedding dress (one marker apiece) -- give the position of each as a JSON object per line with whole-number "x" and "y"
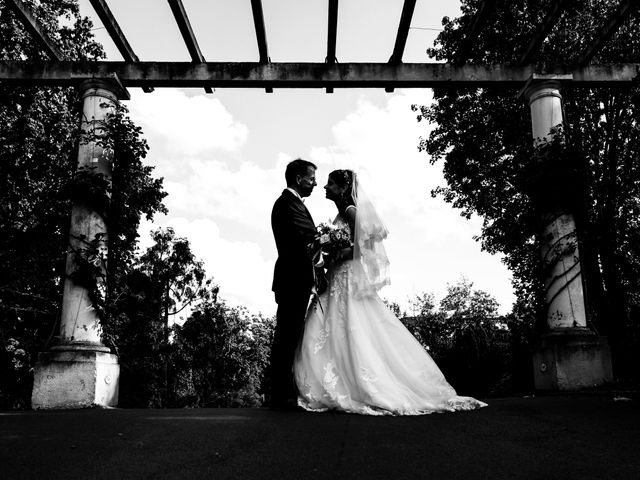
{"x": 357, "y": 357}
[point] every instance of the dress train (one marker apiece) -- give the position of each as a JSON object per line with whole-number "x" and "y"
{"x": 357, "y": 357}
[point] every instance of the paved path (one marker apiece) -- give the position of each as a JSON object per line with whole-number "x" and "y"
{"x": 553, "y": 437}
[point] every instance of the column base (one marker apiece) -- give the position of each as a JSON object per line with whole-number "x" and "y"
{"x": 69, "y": 376}
{"x": 572, "y": 359}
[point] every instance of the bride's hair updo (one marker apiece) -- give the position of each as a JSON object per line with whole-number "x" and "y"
{"x": 344, "y": 179}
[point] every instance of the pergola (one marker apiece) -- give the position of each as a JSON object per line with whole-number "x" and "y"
{"x": 570, "y": 356}
{"x": 269, "y": 75}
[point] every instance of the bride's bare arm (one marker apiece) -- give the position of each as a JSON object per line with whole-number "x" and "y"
{"x": 350, "y": 217}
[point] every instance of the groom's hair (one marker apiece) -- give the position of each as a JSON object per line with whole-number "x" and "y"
{"x": 297, "y": 167}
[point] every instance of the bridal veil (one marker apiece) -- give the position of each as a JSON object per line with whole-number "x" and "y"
{"x": 368, "y": 242}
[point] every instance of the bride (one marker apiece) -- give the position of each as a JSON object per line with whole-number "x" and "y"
{"x": 355, "y": 355}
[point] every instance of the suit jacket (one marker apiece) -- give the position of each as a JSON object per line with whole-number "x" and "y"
{"x": 293, "y": 230}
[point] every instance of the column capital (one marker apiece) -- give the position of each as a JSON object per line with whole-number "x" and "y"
{"x": 110, "y": 87}
{"x": 539, "y": 89}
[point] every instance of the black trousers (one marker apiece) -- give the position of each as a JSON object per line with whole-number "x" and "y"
{"x": 292, "y": 309}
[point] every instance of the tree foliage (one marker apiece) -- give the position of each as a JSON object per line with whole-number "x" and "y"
{"x": 39, "y": 135}
{"x": 479, "y": 351}
{"x": 157, "y": 285}
{"x": 135, "y": 293}
{"x": 215, "y": 358}
{"x": 483, "y": 136}
{"x": 222, "y": 355}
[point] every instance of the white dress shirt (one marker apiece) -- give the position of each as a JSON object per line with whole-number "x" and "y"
{"x": 296, "y": 194}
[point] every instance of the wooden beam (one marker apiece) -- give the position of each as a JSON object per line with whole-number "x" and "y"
{"x": 34, "y": 28}
{"x": 332, "y": 34}
{"x": 115, "y": 32}
{"x": 332, "y": 31}
{"x": 625, "y": 8}
{"x": 188, "y": 36}
{"x": 184, "y": 25}
{"x": 312, "y": 75}
{"x": 403, "y": 33}
{"x": 543, "y": 30}
{"x": 477, "y": 24}
{"x": 261, "y": 35}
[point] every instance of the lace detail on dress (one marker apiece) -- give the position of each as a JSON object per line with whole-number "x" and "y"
{"x": 339, "y": 292}
{"x": 369, "y": 379}
{"x": 330, "y": 378}
{"x": 330, "y": 384}
{"x": 321, "y": 339}
{"x": 338, "y": 281}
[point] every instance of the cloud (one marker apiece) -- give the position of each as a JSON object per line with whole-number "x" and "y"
{"x": 218, "y": 189}
{"x": 186, "y": 126}
{"x": 196, "y": 147}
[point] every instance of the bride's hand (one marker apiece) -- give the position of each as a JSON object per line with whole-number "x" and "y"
{"x": 344, "y": 254}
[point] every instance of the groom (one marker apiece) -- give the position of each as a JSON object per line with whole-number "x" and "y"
{"x": 293, "y": 278}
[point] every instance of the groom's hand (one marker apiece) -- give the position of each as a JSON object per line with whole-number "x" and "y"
{"x": 314, "y": 250}
{"x": 321, "y": 281}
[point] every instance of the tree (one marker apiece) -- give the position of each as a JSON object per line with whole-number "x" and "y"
{"x": 161, "y": 282}
{"x": 466, "y": 304}
{"x": 429, "y": 325}
{"x": 466, "y": 337}
{"x": 37, "y": 142}
{"x": 491, "y": 168}
{"x": 222, "y": 354}
{"x": 39, "y": 134}
{"x": 394, "y": 307}
{"x": 178, "y": 275}
{"x": 422, "y": 304}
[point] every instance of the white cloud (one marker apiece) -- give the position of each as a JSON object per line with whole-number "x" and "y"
{"x": 186, "y": 126}
{"x": 214, "y": 189}
{"x": 195, "y": 146}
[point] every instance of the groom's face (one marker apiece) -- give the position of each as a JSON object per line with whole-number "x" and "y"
{"x": 306, "y": 182}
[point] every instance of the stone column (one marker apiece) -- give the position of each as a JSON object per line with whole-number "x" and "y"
{"x": 80, "y": 371}
{"x": 570, "y": 356}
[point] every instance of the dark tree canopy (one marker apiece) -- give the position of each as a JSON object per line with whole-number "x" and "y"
{"x": 39, "y": 134}
{"x": 478, "y": 351}
{"x": 217, "y": 358}
{"x": 484, "y": 138}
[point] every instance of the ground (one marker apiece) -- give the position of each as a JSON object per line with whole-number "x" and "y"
{"x": 578, "y": 436}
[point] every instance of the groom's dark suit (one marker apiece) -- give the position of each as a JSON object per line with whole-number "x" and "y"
{"x": 293, "y": 280}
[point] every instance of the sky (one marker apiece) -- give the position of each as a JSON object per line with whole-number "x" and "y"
{"x": 223, "y": 155}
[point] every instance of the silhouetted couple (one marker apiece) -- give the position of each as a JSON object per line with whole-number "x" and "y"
{"x": 336, "y": 344}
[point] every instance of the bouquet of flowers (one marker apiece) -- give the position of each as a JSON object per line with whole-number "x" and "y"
{"x": 333, "y": 238}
